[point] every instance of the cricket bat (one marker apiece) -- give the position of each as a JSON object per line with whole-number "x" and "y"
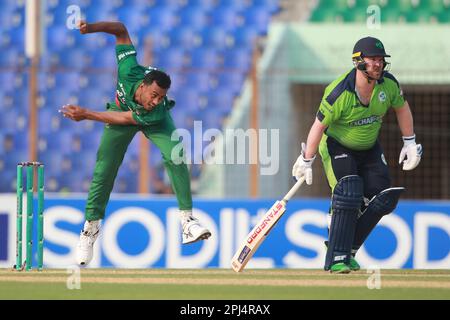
{"x": 261, "y": 230}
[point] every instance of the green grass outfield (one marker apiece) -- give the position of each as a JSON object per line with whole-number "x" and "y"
{"x": 223, "y": 284}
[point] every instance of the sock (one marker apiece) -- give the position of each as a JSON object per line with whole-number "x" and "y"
{"x": 185, "y": 214}
{"x": 91, "y": 226}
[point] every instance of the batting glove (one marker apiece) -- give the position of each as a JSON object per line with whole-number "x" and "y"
{"x": 303, "y": 167}
{"x": 411, "y": 151}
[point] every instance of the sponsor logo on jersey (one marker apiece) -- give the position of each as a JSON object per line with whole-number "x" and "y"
{"x": 125, "y": 54}
{"x": 326, "y": 107}
{"x": 383, "y": 159}
{"x": 120, "y": 94}
{"x": 341, "y": 156}
{"x": 382, "y": 96}
{"x": 365, "y": 121}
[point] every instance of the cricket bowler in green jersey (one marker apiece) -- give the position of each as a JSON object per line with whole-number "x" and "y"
{"x": 141, "y": 104}
{"x": 345, "y": 133}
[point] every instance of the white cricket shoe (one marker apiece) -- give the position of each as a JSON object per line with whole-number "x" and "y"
{"x": 85, "y": 247}
{"x": 193, "y": 231}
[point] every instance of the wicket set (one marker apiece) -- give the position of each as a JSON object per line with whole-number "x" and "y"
{"x": 30, "y": 166}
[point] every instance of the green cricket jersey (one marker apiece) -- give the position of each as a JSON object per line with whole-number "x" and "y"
{"x": 352, "y": 124}
{"x": 130, "y": 76}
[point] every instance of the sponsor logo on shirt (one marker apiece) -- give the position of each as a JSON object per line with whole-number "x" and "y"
{"x": 383, "y": 159}
{"x": 341, "y": 156}
{"x": 125, "y": 54}
{"x": 326, "y": 107}
{"x": 382, "y": 96}
{"x": 365, "y": 121}
{"x": 121, "y": 94}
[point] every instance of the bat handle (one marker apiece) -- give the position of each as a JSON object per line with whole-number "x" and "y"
{"x": 294, "y": 189}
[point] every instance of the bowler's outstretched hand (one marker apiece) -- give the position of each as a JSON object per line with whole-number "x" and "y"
{"x": 83, "y": 26}
{"x": 75, "y": 113}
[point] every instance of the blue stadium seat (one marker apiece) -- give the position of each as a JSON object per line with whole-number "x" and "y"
{"x": 68, "y": 81}
{"x": 7, "y": 141}
{"x": 90, "y": 141}
{"x": 237, "y": 4}
{"x": 94, "y": 42}
{"x": 194, "y": 17}
{"x": 49, "y": 121}
{"x": 57, "y": 97}
{"x": 104, "y": 81}
{"x": 220, "y": 100}
{"x": 20, "y": 101}
{"x": 141, "y": 4}
{"x": 273, "y": 6}
{"x": 233, "y": 81}
{"x": 13, "y": 157}
{"x": 258, "y": 18}
{"x": 158, "y": 40}
{"x": 5, "y": 39}
{"x": 10, "y": 5}
{"x": 212, "y": 119}
{"x": 238, "y": 60}
{"x": 225, "y": 17}
{"x": 161, "y": 18}
{"x": 7, "y": 176}
{"x": 95, "y": 98}
{"x": 244, "y": 37}
{"x": 114, "y": 4}
{"x": 126, "y": 183}
{"x": 11, "y": 18}
{"x": 134, "y": 147}
{"x": 184, "y": 36}
{"x": 170, "y": 60}
{"x": 98, "y": 13}
{"x": 8, "y": 80}
{"x": 104, "y": 59}
{"x": 76, "y": 59}
{"x": 52, "y": 160}
{"x": 178, "y": 115}
{"x": 134, "y": 19}
{"x": 84, "y": 161}
{"x": 2, "y": 144}
{"x": 73, "y": 182}
{"x": 10, "y": 121}
{"x": 17, "y": 37}
{"x": 55, "y": 14}
{"x": 178, "y": 81}
{"x": 188, "y": 100}
{"x": 6, "y": 99}
{"x": 59, "y": 141}
{"x": 216, "y": 37}
{"x": 12, "y": 58}
{"x": 205, "y": 59}
{"x": 205, "y": 4}
{"x": 203, "y": 81}
{"x": 60, "y": 38}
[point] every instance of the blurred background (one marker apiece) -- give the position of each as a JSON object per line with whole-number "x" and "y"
{"x": 208, "y": 47}
{"x": 250, "y": 66}
{"x": 259, "y": 64}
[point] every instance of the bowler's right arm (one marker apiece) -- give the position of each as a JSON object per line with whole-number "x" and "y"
{"x": 115, "y": 28}
{"x": 77, "y": 113}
